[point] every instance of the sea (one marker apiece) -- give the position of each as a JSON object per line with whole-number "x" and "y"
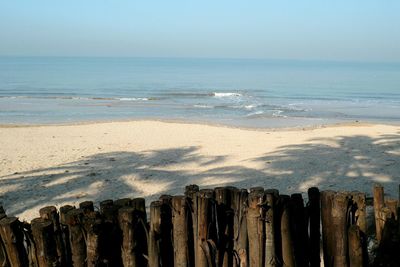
{"x": 259, "y": 93}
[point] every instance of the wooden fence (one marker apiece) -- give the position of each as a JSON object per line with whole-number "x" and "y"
{"x": 207, "y": 228}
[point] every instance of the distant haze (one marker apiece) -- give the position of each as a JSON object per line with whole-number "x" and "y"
{"x": 360, "y": 30}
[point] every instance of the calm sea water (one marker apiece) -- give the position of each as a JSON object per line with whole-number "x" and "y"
{"x": 251, "y": 93}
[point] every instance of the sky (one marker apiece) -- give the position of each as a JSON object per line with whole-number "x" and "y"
{"x": 360, "y": 30}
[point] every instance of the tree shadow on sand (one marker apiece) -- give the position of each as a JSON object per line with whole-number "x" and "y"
{"x": 352, "y": 163}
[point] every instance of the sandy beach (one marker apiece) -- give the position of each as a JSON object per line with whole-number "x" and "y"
{"x": 67, "y": 164}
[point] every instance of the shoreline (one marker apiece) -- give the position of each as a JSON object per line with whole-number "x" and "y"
{"x": 67, "y": 164}
{"x": 201, "y": 122}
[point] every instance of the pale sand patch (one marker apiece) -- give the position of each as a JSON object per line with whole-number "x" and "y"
{"x": 67, "y": 164}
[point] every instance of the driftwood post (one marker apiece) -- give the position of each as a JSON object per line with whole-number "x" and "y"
{"x": 355, "y": 246}
{"x": 256, "y": 227}
{"x": 76, "y": 237}
{"x": 180, "y": 231}
{"x": 43, "y": 236}
{"x": 12, "y": 237}
{"x": 206, "y": 248}
{"x": 270, "y": 250}
{"x": 378, "y": 205}
{"x": 155, "y": 234}
{"x": 314, "y": 226}
{"x": 240, "y": 237}
{"x": 86, "y": 206}
{"x": 50, "y": 213}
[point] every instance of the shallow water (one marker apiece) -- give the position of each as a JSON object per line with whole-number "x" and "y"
{"x": 251, "y": 93}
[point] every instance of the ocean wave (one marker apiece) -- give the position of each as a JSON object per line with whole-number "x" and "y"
{"x": 221, "y": 94}
{"x": 133, "y": 99}
{"x": 203, "y": 106}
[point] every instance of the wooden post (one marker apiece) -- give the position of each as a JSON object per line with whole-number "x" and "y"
{"x": 50, "y": 213}
{"x": 123, "y": 202}
{"x": 86, "y": 206}
{"x": 126, "y": 221}
{"x": 180, "y": 231}
{"x": 256, "y": 227}
{"x": 298, "y": 224}
{"x": 340, "y": 231}
{"x": 140, "y": 230}
{"x": 361, "y": 211}
{"x": 191, "y": 194}
{"x": 356, "y": 256}
{"x": 288, "y": 258}
{"x": 65, "y": 233}
{"x": 270, "y": 250}
{"x": 224, "y": 224}
{"x": 43, "y": 236}
{"x": 205, "y": 256}
{"x": 76, "y": 237}
{"x": 378, "y": 205}
{"x": 166, "y": 242}
{"x": 3, "y": 255}
{"x": 240, "y": 237}
{"x": 94, "y": 232}
{"x": 155, "y": 234}
{"x": 12, "y": 237}
{"x": 327, "y": 226}
{"x": 314, "y": 211}
{"x": 392, "y": 205}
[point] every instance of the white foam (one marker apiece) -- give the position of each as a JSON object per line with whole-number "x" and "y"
{"x": 226, "y": 94}
{"x": 133, "y": 99}
{"x": 202, "y": 106}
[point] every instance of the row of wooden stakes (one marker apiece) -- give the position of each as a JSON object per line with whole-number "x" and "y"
{"x": 220, "y": 227}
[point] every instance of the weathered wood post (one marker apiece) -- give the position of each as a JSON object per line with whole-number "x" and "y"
{"x": 112, "y": 237}
{"x": 378, "y": 205}
{"x": 356, "y": 256}
{"x": 76, "y": 237}
{"x": 206, "y": 249}
{"x": 180, "y": 231}
{"x": 155, "y": 234}
{"x": 270, "y": 219}
{"x": 314, "y": 211}
{"x": 288, "y": 257}
{"x": 94, "y": 233}
{"x": 392, "y": 206}
{"x": 140, "y": 229}
{"x": 240, "y": 237}
{"x": 127, "y": 222}
{"x": 361, "y": 211}
{"x": 327, "y": 226}
{"x": 50, "y": 213}
{"x": 191, "y": 194}
{"x": 12, "y": 237}
{"x": 298, "y": 225}
{"x": 166, "y": 242}
{"x": 86, "y": 206}
{"x": 225, "y": 226}
{"x": 340, "y": 229}
{"x": 3, "y": 255}
{"x": 43, "y": 236}
{"x": 256, "y": 227}
{"x": 65, "y": 233}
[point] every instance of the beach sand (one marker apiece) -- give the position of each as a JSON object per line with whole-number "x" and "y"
{"x": 68, "y": 164}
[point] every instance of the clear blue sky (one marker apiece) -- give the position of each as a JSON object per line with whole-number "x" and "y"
{"x": 362, "y": 30}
